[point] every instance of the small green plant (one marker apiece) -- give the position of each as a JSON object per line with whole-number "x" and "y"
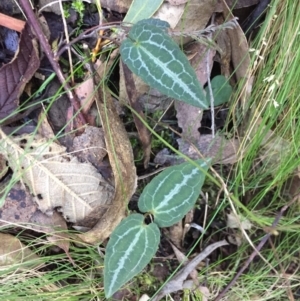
{"x": 167, "y": 198}
{"x": 78, "y": 6}
{"x": 150, "y": 53}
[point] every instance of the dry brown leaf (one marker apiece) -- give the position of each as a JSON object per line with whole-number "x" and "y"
{"x": 237, "y": 222}
{"x": 239, "y": 46}
{"x": 144, "y": 133}
{"x": 121, "y": 6}
{"x": 18, "y": 206}
{"x": 219, "y": 149}
{"x": 54, "y": 225}
{"x": 195, "y": 13}
{"x": 85, "y": 93}
{"x": 15, "y": 75}
{"x": 57, "y": 179}
{"x": 12, "y": 251}
{"x": 189, "y": 118}
{"x": 90, "y": 146}
{"x": 121, "y": 159}
{"x": 19, "y": 209}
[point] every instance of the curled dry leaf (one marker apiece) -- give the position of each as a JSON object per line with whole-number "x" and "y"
{"x": 121, "y": 159}
{"x": 15, "y": 75}
{"x": 57, "y": 179}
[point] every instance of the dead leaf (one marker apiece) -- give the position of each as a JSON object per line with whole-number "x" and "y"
{"x": 183, "y": 259}
{"x": 219, "y": 149}
{"x": 121, "y": 159}
{"x": 57, "y": 179}
{"x": 194, "y": 15}
{"x": 55, "y": 226}
{"x": 12, "y": 251}
{"x": 234, "y": 4}
{"x": 239, "y": 47}
{"x": 18, "y": 206}
{"x": 85, "y": 92}
{"x": 120, "y": 6}
{"x": 237, "y": 222}
{"x": 15, "y": 75}
{"x": 3, "y": 166}
{"x": 50, "y": 6}
{"x": 20, "y": 210}
{"x": 90, "y": 146}
{"x": 144, "y": 133}
{"x": 175, "y": 234}
{"x": 57, "y": 112}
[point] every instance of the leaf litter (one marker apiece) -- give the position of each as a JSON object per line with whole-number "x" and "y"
{"x": 42, "y": 163}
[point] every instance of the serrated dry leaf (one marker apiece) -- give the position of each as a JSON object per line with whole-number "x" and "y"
{"x": 57, "y": 179}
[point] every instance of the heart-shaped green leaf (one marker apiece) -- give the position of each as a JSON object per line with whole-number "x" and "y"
{"x": 171, "y": 194}
{"x": 221, "y": 90}
{"x": 150, "y": 53}
{"x": 130, "y": 248}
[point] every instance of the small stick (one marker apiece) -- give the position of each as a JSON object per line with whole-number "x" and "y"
{"x": 48, "y": 51}
{"x": 11, "y": 23}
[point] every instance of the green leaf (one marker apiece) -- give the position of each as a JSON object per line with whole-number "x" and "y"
{"x": 221, "y": 90}
{"x": 171, "y": 194}
{"x": 155, "y": 22}
{"x": 130, "y": 248}
{"x": 150, "y": 53}
{"x": 142, "y": 9}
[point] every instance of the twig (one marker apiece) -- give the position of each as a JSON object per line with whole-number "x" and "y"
{"x": 11, "y": 23}
{"x": 257, "y": 249}
{"x": 211, "y": 96}
{"x": 48, "y": 51}
{"x": 68, "y": 40}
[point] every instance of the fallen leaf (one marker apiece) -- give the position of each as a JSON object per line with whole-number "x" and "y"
{"x": 18, "y": 206}
{"x": 183, "y": 259}
{"x": 20, "y": 210}
{"x": 192, "y": 16}
{"x": 188, "y": 117}
{"x": 55, "y": 226}
{"x": 219, "y": 149}
{"x": 121, "y": 159}
{"x": 144, "y": 133}
{"x": 120, "y": 6}
{"x": 240, "y": 56}
{"x": 15, "y": 75}
{"x": 85, "y": 92}
{"x": 237, "y": 222}
{"x": 89, "y": 146}
{"x": 12, "y": 251}
{"x": 57, "y": 179}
